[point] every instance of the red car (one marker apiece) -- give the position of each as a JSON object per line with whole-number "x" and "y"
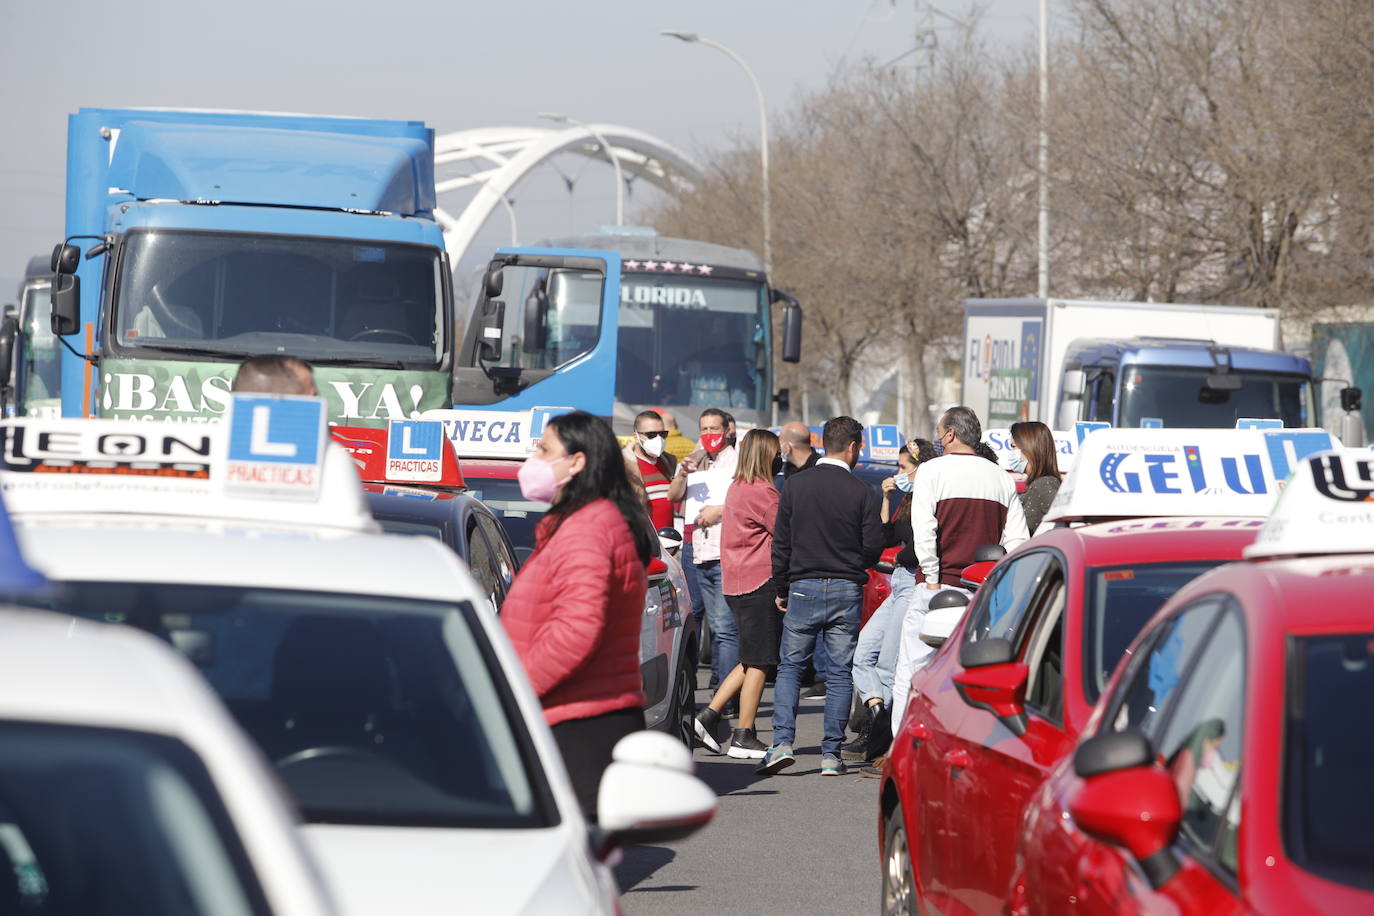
{"x": 1011, "y": 689}
{"x": 1228, "y": 767}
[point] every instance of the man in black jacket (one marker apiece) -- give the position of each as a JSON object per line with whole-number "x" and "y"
{"x": 826, "y": 536}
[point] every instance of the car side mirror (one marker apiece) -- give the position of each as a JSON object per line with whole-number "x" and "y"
{"x": 989, "y": 553}
{"x": 649, "y": 795}
{"x": 1128, "y": 801}
{"x": 66, "y": 303}
{"x": 992, "y": 679}
{"x": 945, "y": 611}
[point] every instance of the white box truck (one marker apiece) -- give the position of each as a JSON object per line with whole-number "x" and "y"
{"x": 1130, "y": 364}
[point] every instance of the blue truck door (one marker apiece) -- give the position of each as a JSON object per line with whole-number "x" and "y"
{"x": 544, "y": 330}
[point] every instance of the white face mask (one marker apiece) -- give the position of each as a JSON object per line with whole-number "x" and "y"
{"x": 652, "y": 445}
{"x": 1017, "y": 462}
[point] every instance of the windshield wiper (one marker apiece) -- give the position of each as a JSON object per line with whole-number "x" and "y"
{"x": 197, "y": 351}
{"x": 358, "y": 361}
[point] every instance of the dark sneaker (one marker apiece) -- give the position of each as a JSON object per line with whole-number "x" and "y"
{"x": 707, "y": 721}
{"x": 777, "y": 758}
{"x": 745, "y": 745}
{"x": 831, "y": 765}
{"x": 858, "y": 748}
{"x": 813, "y": 691}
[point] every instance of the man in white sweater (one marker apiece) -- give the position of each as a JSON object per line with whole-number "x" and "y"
{"x": 960, "y": 502}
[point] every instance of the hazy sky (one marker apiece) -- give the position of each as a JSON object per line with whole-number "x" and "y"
{"x": 455, "y": 64}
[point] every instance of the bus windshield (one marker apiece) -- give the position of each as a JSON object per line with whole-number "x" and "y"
{"x": 692, "y": 342}
{"x": 1181, "y": 398}
{"x": 325, "y": 300}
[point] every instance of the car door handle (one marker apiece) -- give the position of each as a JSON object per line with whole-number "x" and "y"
{"x": 919, "y": 732}
{"x": 958, "y": 760}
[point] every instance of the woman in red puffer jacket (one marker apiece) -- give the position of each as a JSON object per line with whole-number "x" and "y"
{"x": 575, "y": 608}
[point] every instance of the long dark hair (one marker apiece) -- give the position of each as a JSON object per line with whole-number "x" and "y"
{"x": 604, "y": 477}
{"x": 925, "y": 451}
{"x": 1037, "y": 445}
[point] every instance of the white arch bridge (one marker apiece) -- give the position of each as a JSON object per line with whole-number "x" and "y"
{"x": 492, "y": 160}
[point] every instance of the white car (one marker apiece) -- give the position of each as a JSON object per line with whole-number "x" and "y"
{"x": 364, "y": 666}
{"x": 126, "y": 788}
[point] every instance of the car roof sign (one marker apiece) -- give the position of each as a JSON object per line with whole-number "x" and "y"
{"x": 1141, "y": 473}
{"x": 1065, "y": 447}
{"x": 274, "y": 448}
{"x": 86, "y": 467}
{"x": 406, "y": 452}
{"x": 1326, "y": 508}
{"x": 494, "y": 433}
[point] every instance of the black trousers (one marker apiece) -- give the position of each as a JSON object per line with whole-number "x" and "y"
{"x": 586, "y": 746}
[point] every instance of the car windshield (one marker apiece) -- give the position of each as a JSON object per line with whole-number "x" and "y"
{"x": 691, "y": 342}
{"x": 119, "y": 823}
{"x": 1329, "y": 752}
{"x": 1120, "y": 600}
{"x": 519, "y": 516}
{"x": 325, "y": 300}
{"x": 1180, "y": 398}
{"x": 375, "y": 710}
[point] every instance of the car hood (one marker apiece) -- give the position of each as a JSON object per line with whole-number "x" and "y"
{"x": 418, "y": 870}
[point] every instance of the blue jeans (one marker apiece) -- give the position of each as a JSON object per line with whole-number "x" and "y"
{"x": 689, "y": 572}
{"x": 875, "y": 656}
{"x": 831, "y": 608}
{"x": 724, "y": 632}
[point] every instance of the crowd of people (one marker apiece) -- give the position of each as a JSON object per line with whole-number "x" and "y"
{"x": 777, "y": 567}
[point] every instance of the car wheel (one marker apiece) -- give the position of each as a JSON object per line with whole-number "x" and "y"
{"x": 685, "y": 701}
{"x": 899, "y": 881}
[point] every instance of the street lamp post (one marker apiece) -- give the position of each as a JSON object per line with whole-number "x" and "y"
{"x": 692, "y": 37}
{"x": 610, "y": 154}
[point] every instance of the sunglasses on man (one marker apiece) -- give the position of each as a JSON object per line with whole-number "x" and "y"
{"x": 656, "y": 433}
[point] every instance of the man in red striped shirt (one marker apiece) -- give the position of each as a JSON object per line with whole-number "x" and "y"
{"x": 651, "y": 466}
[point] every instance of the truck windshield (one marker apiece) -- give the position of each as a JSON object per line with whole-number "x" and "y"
{"x": 1181, "y": 398}
{"x": 325, "y": 300}
{"x": 692, "y": 342}
{"x": 42, "y": 369}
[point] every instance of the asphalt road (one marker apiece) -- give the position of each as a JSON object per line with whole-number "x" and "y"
{"x": 796, "y": 841}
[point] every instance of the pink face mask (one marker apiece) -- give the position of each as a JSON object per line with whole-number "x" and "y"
{"x": 538, "y": 482}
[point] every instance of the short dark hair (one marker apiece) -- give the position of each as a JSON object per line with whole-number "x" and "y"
{"x": 965, "y": 424}
{"x": 647, "y": 415}
{"x": 715, "y": 412}
{"x": 839, "y": 432}
{"x": 272, "y": 374}
{"x": 983, "y": 450}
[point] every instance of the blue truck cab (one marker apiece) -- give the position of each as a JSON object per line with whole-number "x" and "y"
{"x": 207, "y": 237}
{"x": 1176, "y": 382}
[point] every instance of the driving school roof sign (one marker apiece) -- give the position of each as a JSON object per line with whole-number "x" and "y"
{"x": 494, "y": 433}
{"x": 275, "y": 446}
{"x": 1327, "y": 508}
{"x": 1134, "y": 473}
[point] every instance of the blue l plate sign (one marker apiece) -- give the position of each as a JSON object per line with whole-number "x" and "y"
{"x": 276, "y": 445}
{"x": 415, "y": 450}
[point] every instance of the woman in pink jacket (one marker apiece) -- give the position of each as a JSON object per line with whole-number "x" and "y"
{"x": 746, "y": 567}
{"x": 574, "y": 610}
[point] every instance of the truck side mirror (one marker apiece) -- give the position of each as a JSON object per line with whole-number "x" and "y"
{"x": 783, "y": 399}
{"x": 536, "y": 307}
{"x": 65, "y": 258}
{"x": 493, "y": 281}
{"x": 1075, "y": 383}
{"x": 9, "y": 333}
{"x": 492, "y": 329}
{"x": 791, "y": 326}
{"x": 66, "y": 302}
{"x": 1351, "y": 399}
